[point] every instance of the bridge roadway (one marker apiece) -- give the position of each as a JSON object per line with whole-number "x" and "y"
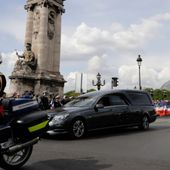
{"x": 126, "y": 149}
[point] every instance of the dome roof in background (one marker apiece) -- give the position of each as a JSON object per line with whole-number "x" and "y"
{"x": 166, "y": 85}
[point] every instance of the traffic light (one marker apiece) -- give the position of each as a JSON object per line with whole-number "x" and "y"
{"x": 114, "y": 81}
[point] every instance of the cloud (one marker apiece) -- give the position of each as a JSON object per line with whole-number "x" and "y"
{"x": 8, "y": 61}
{"x": 112, "y": 52}
{"x": 70, "y": 84}
{"x": 164, "y": 74}
{"x": 136, "y": 35}
{"x": 96, "y": 64}
{"x": 161, "y": 17}
{"x": 14, "y": 25}
{"x": 14, "y": 29}
{"x": 150, "y": 77}
{"x": 84, "y": 41}
{"x": 88, "y": 41}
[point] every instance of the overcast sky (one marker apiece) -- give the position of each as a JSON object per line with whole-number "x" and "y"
{"x": 100, "y": 36}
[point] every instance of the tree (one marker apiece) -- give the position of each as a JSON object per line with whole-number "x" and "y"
{"x": 72, "y": 93}
{"x": 158, "y": 94}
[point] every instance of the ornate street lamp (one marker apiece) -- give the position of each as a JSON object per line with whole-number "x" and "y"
{"x": 99, "y": 83}
{"x": 139, "y": 61}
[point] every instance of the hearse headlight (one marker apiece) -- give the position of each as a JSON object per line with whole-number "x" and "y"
{"x": 58, "y": 119}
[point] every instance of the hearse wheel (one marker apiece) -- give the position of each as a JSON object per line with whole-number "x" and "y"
{"x": 77, "y": 129}
{"x": 144, "y": 123}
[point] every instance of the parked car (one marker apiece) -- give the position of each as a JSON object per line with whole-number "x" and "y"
{"x": 103, "y": 109}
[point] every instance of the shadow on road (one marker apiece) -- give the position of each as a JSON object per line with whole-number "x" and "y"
{"x": 101, "y": 133}
{"x": 116, "y": 132}
{"x": 68, "y": 164}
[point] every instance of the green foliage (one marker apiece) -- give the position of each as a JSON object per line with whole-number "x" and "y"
{"x": 159, "y": 94}
{"x": 74, "y": 94}
{"x": 90, "y": 90}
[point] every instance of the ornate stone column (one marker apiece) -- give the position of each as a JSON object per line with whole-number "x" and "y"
{"x": 43, "y": 46}
{"x": 29, "y": 24}
{"x": 56, "y": 62}
{"x": 43, "y": 31}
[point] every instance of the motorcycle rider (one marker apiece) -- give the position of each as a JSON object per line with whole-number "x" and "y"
{"x": 2, "y": 94}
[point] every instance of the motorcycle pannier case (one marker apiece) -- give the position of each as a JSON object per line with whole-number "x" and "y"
{"x": 20, "y": 106}
{"x": 30, "y": 122}
{"x": 32, "y": 125}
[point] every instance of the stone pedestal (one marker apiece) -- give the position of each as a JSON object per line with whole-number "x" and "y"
{"x": 37, "y": 83}
{"x": 43, "y": 31}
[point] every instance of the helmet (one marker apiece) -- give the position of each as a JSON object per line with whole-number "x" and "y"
{"x": 2, "y": 84}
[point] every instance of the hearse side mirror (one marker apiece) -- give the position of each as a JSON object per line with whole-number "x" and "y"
{"x": 99, "y": 106}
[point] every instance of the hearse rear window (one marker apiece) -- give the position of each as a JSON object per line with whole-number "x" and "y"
{"x": 140, "y": 99}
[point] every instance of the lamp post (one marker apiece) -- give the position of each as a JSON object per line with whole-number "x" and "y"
{"x": 98, "y": 83}
{"x": 139, "y": 61}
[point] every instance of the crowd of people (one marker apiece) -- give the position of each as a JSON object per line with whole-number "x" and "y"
{"x": 162, "y": 107}
{"x": 52, "y": 101}
{"x": 161, "y": 103}
{"x": 45, "y": 101}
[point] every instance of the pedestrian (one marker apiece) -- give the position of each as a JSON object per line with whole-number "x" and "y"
{"x": 44, "y": 103}
{"x": 58, "y": 101}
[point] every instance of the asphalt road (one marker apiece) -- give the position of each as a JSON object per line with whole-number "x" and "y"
{"x": 129, "y": 149}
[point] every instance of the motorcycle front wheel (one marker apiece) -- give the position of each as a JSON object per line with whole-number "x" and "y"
{"x": 15, "y": 160}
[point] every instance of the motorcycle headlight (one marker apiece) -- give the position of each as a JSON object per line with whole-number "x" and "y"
{"x": 58, "y": 119}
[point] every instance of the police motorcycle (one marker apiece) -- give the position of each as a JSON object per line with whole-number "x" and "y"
{"x": 21, "y": 126}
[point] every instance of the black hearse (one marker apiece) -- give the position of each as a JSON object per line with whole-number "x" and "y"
{"x": 103, "y": 109}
